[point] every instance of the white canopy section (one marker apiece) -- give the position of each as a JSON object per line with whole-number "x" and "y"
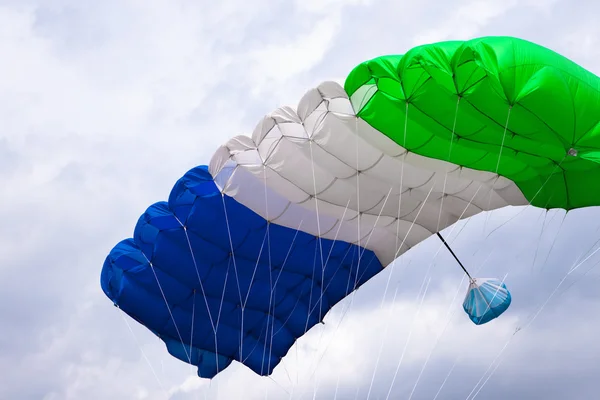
{"x": 326, "y": 172}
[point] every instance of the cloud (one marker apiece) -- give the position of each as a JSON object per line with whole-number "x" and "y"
{"x": 471, "y": 17}
{"x": 105, "y": 104}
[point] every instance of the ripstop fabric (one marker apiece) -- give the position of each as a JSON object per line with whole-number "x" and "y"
{"x": 324, "y": 171}
{"x": 486, "y": 299}
{"x": 506, "y": 105}
{"x": 210, "y": 277}
{"x": 253, "y": 249}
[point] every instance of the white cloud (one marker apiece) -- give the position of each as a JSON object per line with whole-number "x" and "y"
{"x": 470, "y": 17}
{"x": 278, "y": 62}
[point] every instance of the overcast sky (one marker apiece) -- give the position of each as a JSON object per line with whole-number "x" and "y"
{"x": 105, "y": 104}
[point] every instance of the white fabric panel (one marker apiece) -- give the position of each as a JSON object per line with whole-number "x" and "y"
{"x": 324, "y": 161}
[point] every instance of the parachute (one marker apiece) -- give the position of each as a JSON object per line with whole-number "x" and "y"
{"x": 253, "y": 249}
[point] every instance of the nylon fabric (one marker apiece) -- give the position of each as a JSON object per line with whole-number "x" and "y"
{"x": 552, "y": 106}
{"x": 253, "y": 250}
{"x": 275, "y": 274}
{"x": 486, "y": 300}
{"x": 332, "y": 175}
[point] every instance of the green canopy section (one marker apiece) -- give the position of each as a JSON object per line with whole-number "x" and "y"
{"x": 496, "y": 104}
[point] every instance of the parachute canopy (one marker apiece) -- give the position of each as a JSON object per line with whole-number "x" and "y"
{"x": 203, "y": 263}
{"x": 253, "y": 249}
{"x": 496, "y": 104}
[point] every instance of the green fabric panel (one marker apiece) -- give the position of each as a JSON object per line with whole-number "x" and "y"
{"x": 552, "y": 105}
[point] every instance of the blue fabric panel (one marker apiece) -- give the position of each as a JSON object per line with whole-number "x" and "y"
{"x": 209, "y": 363}
{"x": 259, "y": 298}
{"x": 486, "y": 300}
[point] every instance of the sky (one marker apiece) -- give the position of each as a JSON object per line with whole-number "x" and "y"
{"x": 104, "y": 105}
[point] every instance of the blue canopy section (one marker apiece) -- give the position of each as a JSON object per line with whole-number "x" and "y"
{"x": 486, "y": 299}
{"x": 217, "y": 282}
